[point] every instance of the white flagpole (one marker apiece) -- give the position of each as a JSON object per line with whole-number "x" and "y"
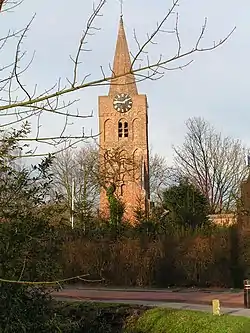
{"x": 72, "y": 203}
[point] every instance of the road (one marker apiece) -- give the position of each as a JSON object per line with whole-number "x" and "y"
{"x": 231, "y": 302}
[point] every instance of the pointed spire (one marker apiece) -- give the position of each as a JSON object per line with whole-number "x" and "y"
{"x": 122, "y": 65}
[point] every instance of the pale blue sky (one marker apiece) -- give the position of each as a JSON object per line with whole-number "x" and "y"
{"x": 215, "y": 86}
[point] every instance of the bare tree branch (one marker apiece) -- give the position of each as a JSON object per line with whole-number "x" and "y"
{"x": 214, "y": 164}
{"x": 76, "y": 167}
{"x": 26, "y": 103}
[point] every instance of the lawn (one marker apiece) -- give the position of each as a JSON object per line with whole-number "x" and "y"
{"x": 178, "y": 321}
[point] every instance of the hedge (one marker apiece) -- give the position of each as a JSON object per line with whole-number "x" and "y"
{"x": 183, "y": 259}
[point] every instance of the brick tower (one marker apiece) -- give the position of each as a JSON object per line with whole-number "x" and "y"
{"x": 123, "y": 125}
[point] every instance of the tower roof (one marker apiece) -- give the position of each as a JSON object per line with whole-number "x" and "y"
{"x": 122, "y": 65}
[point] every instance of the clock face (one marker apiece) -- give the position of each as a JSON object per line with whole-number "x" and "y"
{"x": 122, "y": 103}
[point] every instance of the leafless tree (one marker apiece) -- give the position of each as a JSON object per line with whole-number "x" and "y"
{"x": 82, "y": 167}
{"x": 73, "y": 170}
{"x": 89, "y": 169}
{"x": 115, "y": 167}
{"x": 161, "y": 175}
{"x": 20, "y": 103}
{"x": 215, "y": 164}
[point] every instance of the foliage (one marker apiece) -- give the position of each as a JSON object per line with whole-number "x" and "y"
{"x": 29, "y": 248}
{"x": 186, "y": 204}
{"x": 22, "y": 189}
{"x": 25, "y": 310}
{"x": 116, "y": 206}
{"x": 94, "y": 317}
{"x": 55, "y": 213}
{"x": 156, "y": 257}
{"x": 176, "y": 321}
{"x": 28, "y": 244}
{"x": 147, "y": 227}
{"x": 115, "y": 318}
{"x": 29, "y": 251}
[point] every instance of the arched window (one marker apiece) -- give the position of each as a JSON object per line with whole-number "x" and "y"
{"x": 122, "y": 129}
{"x": 122, "y": 189}
{"x": 125, "y": 129}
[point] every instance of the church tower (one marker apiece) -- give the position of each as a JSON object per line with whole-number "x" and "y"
{"x": 123, "y": 128}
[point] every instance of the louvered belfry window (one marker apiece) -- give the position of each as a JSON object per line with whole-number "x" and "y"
{"x": 122, "y": 129}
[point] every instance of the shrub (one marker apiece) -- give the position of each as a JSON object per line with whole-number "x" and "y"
{"x": 185, "y": 257}
{"x": 25, "y": 310}
{"x": 28, "y": 252}
{"x": 94, "y": 317}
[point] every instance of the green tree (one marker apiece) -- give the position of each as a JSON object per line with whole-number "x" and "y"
{"x": 187, "y": 206}
{"x": 116, "y": 207}
{"x": 29, "y": 247}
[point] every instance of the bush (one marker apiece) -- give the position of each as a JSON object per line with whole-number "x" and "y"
{"x": 94, "y": 317}
{"x": 187, "y": 206}
{"x": 29, "y": 249}
{"x": 26, "y": 310}
{"x": 183, "y": 257}
{"x": 178, "y": 321}
{"x": 28, "y": 252}
{"x": 123, "y": 262}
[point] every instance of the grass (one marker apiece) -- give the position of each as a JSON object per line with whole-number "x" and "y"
{"x": 179, "y": 321}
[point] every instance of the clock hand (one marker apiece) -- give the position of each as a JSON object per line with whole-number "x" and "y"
{"x": 120, "y": 102}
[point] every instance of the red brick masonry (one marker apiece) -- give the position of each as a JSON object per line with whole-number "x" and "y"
{"x": 227, "y": 298}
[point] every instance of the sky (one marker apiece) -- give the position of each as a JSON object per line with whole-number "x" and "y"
{"x": 215, "y": 86}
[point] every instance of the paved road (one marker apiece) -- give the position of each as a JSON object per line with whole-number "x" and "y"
{"x": 227, "y": 299}
{"x": 197, "y": 297}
